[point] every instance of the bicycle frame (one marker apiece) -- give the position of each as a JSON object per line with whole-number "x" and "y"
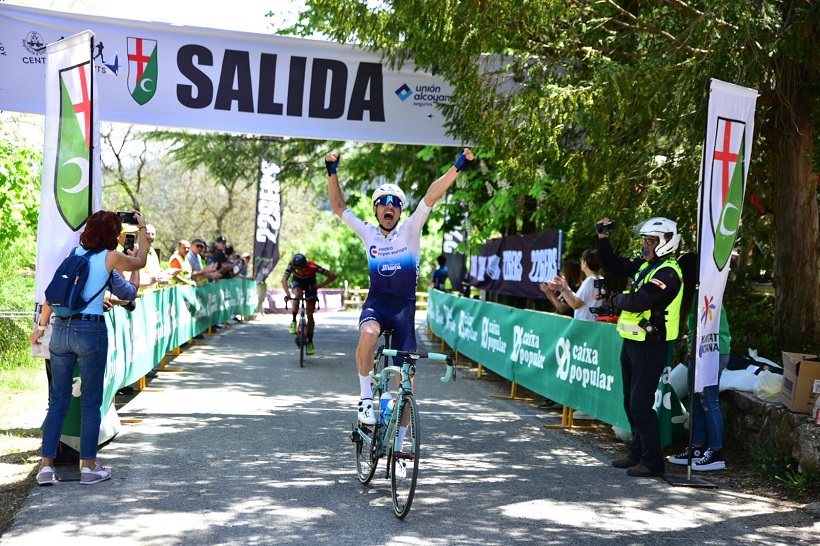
{"x": 406, "y": 372}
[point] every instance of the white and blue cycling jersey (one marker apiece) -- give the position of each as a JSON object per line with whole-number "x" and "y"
{"x": 392, "y": 260}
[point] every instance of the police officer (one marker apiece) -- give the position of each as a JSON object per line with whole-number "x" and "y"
{"x": 649, "y": 320}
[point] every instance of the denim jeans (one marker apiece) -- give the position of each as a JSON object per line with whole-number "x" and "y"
{"x": 642, "y": 363}
{"x": 83, "y": 343}
{"x": 707, "y": 419}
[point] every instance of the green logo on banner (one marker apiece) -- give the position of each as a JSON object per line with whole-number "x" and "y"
{"x": 726, "y": 229}
{"x": 142, "y": 69}
{"x": 72, "y": 190}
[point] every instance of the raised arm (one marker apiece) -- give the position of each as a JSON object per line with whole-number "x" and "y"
{"x": 124, "y": 262}
{"x": 334, "y": 191}
{"x": 440, "y": 186}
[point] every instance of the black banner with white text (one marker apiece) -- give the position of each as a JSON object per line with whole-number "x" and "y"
{"x": 517, "y": 264}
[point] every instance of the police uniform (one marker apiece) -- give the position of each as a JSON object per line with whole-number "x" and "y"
{"x": 649, "y": 323}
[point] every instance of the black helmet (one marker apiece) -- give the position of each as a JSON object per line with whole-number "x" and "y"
{"x": 299, "y": 261}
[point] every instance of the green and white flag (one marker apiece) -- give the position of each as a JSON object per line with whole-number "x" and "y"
{"x": 724, "y": 168}
{"x": 72, "y": 182}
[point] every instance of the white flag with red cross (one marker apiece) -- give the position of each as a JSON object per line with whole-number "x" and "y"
{"x": 725, "y": 166}
{"x": 72, "y": 177}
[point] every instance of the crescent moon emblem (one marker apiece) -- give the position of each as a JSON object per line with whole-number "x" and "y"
{"x": 143, "y": 82}
{"x": 82, "y": 184}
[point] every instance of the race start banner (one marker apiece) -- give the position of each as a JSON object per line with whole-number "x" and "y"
{"x": 724, "y": 169}
{"x": 574, "y": 362}
{"x": 517, "y": 264}
{"x": 179, "y": 76}
{"x": 268, "y": 221}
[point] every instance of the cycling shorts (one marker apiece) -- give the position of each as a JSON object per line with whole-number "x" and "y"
{"x": 308, "y": 287}
{"x": 394, "y": 314}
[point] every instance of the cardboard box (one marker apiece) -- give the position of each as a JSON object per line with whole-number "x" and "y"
{"x": 801, "y": 382}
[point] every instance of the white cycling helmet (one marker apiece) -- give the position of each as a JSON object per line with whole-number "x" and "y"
{"x": 389, "y": 189}
{"x": 664, "y": 229}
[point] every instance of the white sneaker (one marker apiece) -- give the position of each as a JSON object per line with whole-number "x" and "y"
{"x": 46, "y": 476}
{"x": 98, "y": 474}
{"x": 366, "y": 414}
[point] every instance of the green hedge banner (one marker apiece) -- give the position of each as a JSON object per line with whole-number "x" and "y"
{"x": 162, "y": 321}
{"x": 574, "y": 362}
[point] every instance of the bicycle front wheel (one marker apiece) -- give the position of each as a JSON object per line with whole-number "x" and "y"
{"x": 302, "y": 333}
{"x": 404, "y": 457}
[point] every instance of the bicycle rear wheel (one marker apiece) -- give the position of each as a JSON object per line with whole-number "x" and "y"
{"x": 302, "y": 333}
{"x": 404, "y": 459}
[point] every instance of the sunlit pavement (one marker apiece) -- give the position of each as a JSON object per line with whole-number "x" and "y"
{"x": 245, "y": 447}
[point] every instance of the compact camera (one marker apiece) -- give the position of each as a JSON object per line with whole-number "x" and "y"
{"x": 602, "y": 312}
{"x": 605, "y": 229}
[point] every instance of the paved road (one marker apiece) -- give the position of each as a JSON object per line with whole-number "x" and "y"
{"x": 246, "y": 448}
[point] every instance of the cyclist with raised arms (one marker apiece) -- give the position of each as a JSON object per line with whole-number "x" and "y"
{"x": 304, "y": 286}
{"x": 393, "y": 254}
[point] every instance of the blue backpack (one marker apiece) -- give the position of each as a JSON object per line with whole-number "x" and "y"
{"x": 65, "y": 291}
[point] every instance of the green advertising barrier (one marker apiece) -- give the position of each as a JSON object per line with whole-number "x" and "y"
{"x": 574, "y": 362}
{"x": 162, "y": 321}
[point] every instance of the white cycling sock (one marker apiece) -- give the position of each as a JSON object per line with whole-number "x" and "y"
{"x": 402, "y": 433}
{"x": 365, "y": 390}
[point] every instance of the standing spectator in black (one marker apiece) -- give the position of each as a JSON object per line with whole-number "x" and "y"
{"x": 649, "y": 323}
{"x": 219, "y": 256}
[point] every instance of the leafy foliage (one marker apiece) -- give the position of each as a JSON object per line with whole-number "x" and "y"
{"x": 16, "y": 308}
{"x": 231, "y": 164}
{"x": 581, "y": 110}
{"x": 20, "y": 195}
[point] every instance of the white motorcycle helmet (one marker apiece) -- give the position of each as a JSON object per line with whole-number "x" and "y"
{"x": 389, "y": 189}
{"x": 664, "y": 229}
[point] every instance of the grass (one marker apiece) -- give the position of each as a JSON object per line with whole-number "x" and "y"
{"x": 23, "y": 399}
{"x": 771, "y": 464}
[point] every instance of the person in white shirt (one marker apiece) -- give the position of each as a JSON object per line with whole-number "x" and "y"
{"x": 582, "y": 300}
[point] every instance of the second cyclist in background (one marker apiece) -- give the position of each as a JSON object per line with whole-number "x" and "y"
{"x": 304, "y": 286}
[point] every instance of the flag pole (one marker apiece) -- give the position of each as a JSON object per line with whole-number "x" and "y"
{"x": 696, "y": 482}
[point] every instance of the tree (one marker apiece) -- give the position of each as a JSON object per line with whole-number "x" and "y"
{"x": 591, "y": 108}
{"x": 126, "y": 161}
{"x": 20, "y": 183}
{"x": 232, "y": 163}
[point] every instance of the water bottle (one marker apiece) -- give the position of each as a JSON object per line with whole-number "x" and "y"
{"x": 383, "y": 402}
{"x": 388, "y": 411}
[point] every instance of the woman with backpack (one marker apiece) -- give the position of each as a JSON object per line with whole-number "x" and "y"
{"x": 81, "y": 338}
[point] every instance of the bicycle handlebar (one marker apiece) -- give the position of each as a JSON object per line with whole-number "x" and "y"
{"x": 449, "y": 358}
{"x": 303, "y": 299}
